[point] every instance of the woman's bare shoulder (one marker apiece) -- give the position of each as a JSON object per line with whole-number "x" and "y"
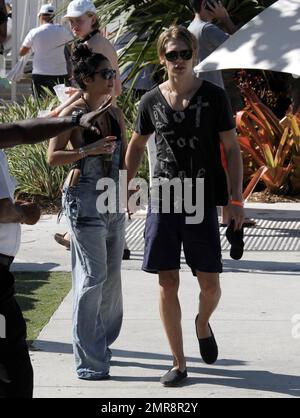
{"x": 101, "y": 45}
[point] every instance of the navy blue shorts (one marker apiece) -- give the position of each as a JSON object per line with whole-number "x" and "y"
{"x": 166, "y": 233}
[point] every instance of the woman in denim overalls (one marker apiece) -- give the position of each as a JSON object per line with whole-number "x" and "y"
{"x": 97, "y": 236}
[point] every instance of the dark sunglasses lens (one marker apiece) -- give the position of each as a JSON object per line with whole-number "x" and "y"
{"x": 173, "y": 56}
{"x": 186, "y": 55}
{"x": 108, "y": 74}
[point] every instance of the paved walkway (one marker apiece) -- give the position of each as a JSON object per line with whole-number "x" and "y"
{"x": 258, "y": 355}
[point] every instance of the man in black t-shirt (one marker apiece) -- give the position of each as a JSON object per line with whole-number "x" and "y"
{"x": 187, "y": 141}
{"x": 190, "y": 118}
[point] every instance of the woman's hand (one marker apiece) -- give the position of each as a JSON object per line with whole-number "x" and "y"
{"x": 103, "y": 146}
{"x": 70, "y": 91}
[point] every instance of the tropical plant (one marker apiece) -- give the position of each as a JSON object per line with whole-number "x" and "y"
{"x": 274, "y": 89}
{"x": 267, "y": 140}
{"x": 28, "y": 164}
{"x": 293, "y": 123}
{"x": 129, "y": 106}
{"x": 29, "y": 108}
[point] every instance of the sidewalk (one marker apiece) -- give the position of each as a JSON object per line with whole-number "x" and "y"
{"x": 253, "y": 325}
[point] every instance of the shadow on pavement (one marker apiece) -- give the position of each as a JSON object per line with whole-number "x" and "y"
{"x": 33, "y": 267}
{"x": 256, "y": 380}
{"x": 246, "y": 266}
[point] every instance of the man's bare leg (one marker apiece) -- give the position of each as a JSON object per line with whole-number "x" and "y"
{"x": 209, "y": 299}
{"x": 170, "y": 313}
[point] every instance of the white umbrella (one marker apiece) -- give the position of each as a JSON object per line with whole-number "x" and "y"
{"x": 270, "y": 41}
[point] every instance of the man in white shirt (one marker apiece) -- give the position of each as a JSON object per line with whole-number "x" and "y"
{"x": 48, "y": 44}
{"x": 16, "y": 375}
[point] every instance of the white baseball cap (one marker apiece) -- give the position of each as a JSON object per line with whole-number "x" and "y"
{"x": 47, "y": 9}
{"x": 78, "y": 8}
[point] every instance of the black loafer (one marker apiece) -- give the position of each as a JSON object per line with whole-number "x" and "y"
{"x": 208, "y": 347}
{"x": 173, "y": 378}
{"x": 236, "y": 240}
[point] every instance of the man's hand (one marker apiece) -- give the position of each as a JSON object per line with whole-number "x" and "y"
{"x": 238, "y": 214}
{"x": 31, "y": 213}
{"x": 217, "y": 10}
{"x": 87, "y": 120}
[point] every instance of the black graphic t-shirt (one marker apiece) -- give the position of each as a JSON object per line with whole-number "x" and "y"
{"x": 188, "y": 142}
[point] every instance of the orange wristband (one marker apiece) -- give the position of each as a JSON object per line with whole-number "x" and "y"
{"x": 237, "y": 203}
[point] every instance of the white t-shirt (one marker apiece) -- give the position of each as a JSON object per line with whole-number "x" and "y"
{"x": 48, "y": 44}
{"x": 10, "y": 234}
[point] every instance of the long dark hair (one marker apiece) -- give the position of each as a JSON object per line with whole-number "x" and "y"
{"x": 85, "y": 63}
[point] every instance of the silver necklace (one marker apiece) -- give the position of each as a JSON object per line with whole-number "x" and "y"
{"x": 169, "y": 91}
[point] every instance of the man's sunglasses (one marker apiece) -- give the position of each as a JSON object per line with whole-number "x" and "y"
{"x": 186, "y": 55}
{"x": 107, "y": 73}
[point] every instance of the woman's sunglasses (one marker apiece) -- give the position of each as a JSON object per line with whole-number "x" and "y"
{"x": 107, "y": 73}
{"x": 186, "y": 55}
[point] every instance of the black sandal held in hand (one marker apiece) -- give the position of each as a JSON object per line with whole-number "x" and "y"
{"x": 236, "y": 240}
{"x": 208, "y": 346}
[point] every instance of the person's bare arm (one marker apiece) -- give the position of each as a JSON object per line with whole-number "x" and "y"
{"x": 118, "y": 83}
{"x": 24, "y": 51}
{"x": 135, "y": 153}
{"x": 32, "y": 131}
{"x": 235, "y": 172}
{"x": 113, "y": 58}
{"x": 37, "y": 130}
{"x": 76, "y": 94}
{"x": 122, "y": 123}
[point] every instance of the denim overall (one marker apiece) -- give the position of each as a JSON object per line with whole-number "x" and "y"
{"x": 97, "y": 244}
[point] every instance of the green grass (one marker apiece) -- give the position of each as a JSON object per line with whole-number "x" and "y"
{"x": 39, "y": 295}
